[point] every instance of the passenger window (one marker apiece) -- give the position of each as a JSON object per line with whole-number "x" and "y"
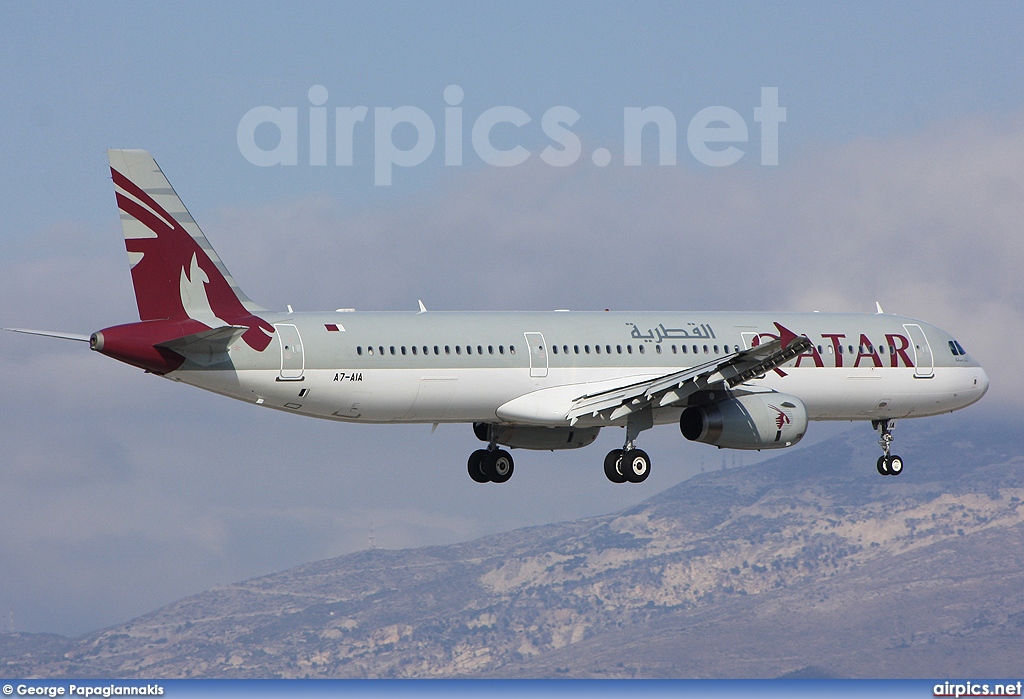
{"x": 469, "y": 349}
{"x": 437, "y": 350}
{"x": 658, "y": 348}
{"x": 447, "y": 349}
{"x": 381, "y": 348}
{"x": 576, "y": 349}
{"x": 705, "y": 349}
{"x": 403, "y": 349}
{"x": 597, "y": 348}
{"x": 716, "y": 349}
{"x": 629, "y": 349}
{"x": 359, "y": 351}
{"x": 426, "y": 350}
{"x": 607, "y": 349}
{"x": 479, "y": 349}
{"x": 501, "y": 349}
{"x": 511, "y": 349}
{"x": 490, "y": 349}
{"x": 554, "y": 349}
{"x": 414, "y": 350}
{"x": 684, "y": 349}
{"x": 641, "y": 349}
{"x": 458, "y": 349}
{"x": 675, "y": 350}
{"x": 586, "y": 348}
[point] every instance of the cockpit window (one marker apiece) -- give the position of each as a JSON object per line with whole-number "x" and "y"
{"x": 959, "y": 347}
{"x": 956, "y": 348}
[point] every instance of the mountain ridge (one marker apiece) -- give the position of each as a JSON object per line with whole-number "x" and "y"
{"x": 717, "y": 553}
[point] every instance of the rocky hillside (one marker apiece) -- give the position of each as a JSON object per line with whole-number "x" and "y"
{"x": 808, "y": 564}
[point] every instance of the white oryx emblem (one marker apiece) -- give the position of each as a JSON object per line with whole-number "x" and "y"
{"x": 193, "y": 294}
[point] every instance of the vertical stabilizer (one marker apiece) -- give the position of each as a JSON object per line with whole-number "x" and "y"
{"x": 176, "y": 272}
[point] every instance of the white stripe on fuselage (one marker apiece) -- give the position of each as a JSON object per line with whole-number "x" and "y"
{"x": 474, "y": 395}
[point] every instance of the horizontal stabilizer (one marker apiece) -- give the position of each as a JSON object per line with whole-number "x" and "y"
{"x": 49, "y": 333}
{"x": 208, "y": 346}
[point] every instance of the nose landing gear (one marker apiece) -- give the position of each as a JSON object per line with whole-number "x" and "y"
{"x": 888, "y": 464}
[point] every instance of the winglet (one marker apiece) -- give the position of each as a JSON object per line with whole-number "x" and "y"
{"x": 878, "y": 307}
{"x": 423, "y": 309}
{"x": 786, "y": 335}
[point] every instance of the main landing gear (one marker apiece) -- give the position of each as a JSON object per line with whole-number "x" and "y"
{"x": 630, "y": 464}
{"x": 491, "y": 465}
{"x": 888, "y": 464}
{"x": 486, "y": 466}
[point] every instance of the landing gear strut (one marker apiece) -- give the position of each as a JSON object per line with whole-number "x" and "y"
{"x": 491, "y": 465}
{"x": 888, "y": 464}
{"x": 629, "y": 463}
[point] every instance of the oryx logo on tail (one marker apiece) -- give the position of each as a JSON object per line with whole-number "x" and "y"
{"x": 176, "y": 273}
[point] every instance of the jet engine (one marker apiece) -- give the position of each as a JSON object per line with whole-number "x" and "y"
{"x": 754, "y": 421}
{"x": 541, "y": 438}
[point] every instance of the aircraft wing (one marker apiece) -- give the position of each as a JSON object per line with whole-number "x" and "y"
{"x": 730, "y": 370}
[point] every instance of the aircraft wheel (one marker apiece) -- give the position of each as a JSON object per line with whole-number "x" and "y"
{"x": 882, "y": 466}
{"x": 895, "y": 465}
{"x": 499, "y": 466}
{"x": 475, "y": 466}
{"x": 613, "y": 466}
{"x": 636, "y": 465}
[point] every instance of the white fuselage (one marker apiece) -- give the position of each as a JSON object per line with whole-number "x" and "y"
{"x": 527, "y": 368}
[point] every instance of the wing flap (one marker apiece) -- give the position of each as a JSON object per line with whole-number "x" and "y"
{"x": 728, "y": 371}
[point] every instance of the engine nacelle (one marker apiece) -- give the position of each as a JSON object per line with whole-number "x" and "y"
{"x": 755, "y": 421}
{"x": 541, "y": 438}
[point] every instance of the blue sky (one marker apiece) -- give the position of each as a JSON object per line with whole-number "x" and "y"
{"x": 81, "y": 78}
{"x": 899, "y": 180}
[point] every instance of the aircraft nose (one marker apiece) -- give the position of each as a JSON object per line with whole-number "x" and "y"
{"x": 981, "y": 381}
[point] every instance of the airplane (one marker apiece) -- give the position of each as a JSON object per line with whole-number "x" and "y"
{"x": 535, "y": 380}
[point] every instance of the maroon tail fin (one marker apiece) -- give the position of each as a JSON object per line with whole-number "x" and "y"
{"x": 176, "y": 272}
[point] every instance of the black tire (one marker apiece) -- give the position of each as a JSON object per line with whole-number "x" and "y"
{"x": 636, "y": 465}
{"x": 475, "y": 466}
{"x": 882, "y": 465}
{"x": 499, "y": 465}
{"x": 612, "y": 464}
{"x": 895, "y": 465}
